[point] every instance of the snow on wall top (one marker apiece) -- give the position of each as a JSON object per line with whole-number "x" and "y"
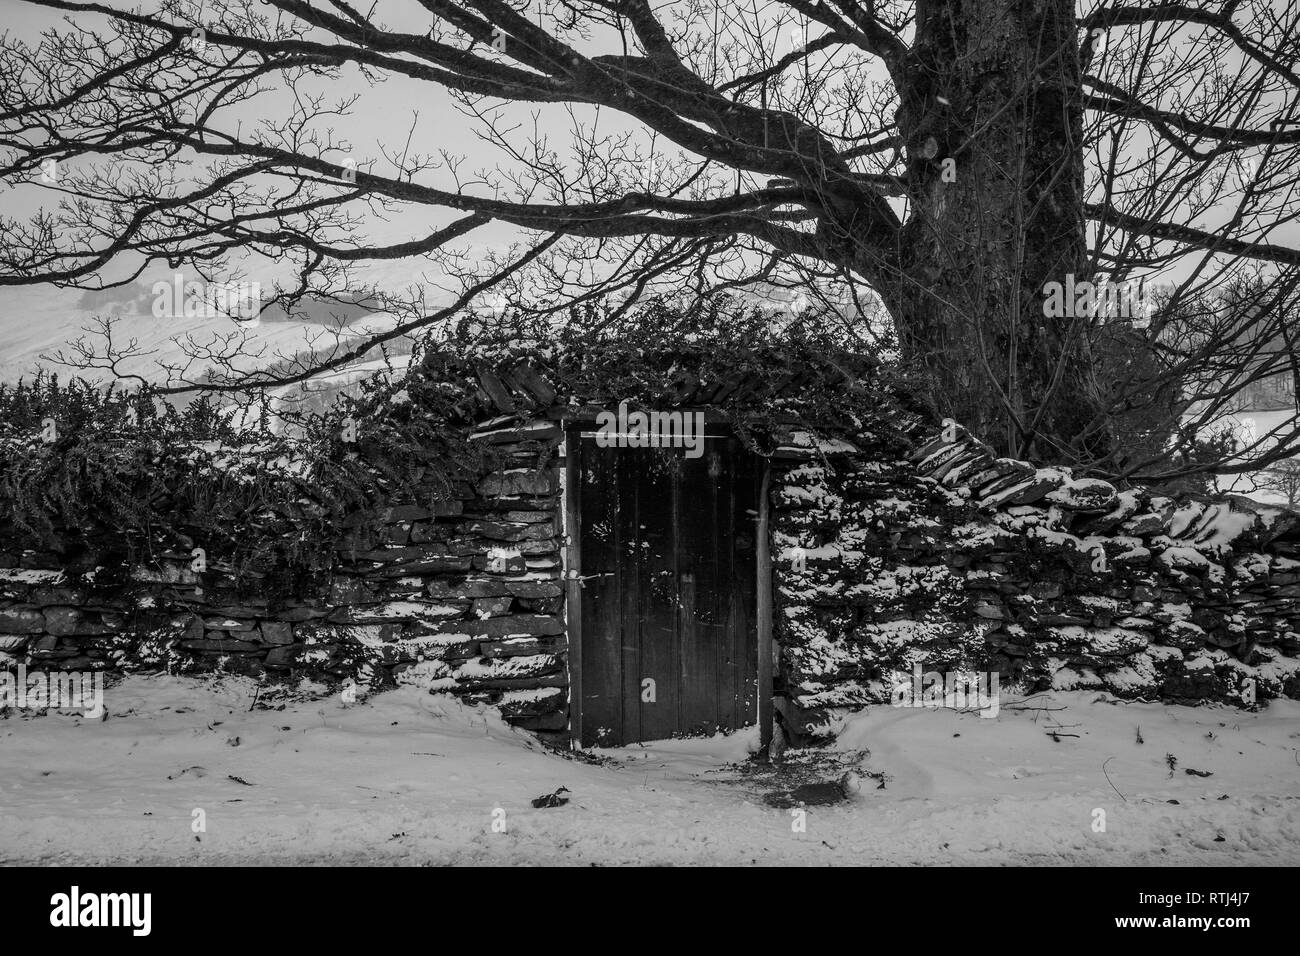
{"x": 958, "y": 460}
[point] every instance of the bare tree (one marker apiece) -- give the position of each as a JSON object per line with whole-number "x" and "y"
{"x": 1283, "y": 479}
{"x": 958, "y": 162}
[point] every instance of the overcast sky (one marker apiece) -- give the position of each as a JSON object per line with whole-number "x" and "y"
{"x": 33, "y": 318}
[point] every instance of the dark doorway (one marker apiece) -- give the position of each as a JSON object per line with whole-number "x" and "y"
{"x": 666, "y": 551}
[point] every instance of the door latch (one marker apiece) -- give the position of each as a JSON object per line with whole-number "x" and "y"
{"x": 582, "y": 579}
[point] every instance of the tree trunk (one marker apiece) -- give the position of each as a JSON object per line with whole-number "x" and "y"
{"x": 992, "y": 123}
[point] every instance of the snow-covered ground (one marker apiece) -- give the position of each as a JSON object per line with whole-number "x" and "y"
{"x": 409, "y": 778}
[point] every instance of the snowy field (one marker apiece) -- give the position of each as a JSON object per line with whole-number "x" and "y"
{"x": 408, "y": 778}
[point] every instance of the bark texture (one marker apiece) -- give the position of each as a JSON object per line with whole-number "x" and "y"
{"x": 992, "y": 121}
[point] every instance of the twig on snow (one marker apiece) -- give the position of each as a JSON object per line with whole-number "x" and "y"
{"x": 1108, "y": 780}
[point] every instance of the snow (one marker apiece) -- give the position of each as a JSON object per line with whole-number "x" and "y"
{"x": 904, "y": 581}
{"x": 703, "y": 754}
{"x": 827, "y": 446}
{"x": 1137, "y": 675}
{"x": 1183, "y": 557}
{"x": 1226, "y": 525}
{"x": 507, "y": 668}
{"x": 978, "y": 534}
{"x": 407, "y": 777}
{"x": 826, "y": 552}
{"x": 529, "y": 696}
{"x": 1103, "y": 641}
{"x": 1070, "y": 678}
{"x": 522, "y": 430}
{"x": 1083, "y": 493}
{"x": 26, "y": 576}
{"x": 398, "y": 610}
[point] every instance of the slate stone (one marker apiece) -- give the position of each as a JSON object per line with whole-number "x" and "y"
{"x": 68, "y": 620}
{"x": 516, "y": 482}
{"x": 276, "y": 632}
{"x": 21, "y": 621}
{"x": 503, "y": 626}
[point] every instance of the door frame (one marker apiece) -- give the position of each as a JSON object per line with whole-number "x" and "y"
{"x": 572, "y": 564}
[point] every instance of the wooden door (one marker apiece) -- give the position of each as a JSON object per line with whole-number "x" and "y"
{"x": 666, "y": 546}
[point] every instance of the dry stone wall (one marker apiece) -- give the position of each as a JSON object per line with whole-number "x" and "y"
{"x": 955, "y": 559}
{"x": 885, "y": 555}
{"x": 461, "y": 592}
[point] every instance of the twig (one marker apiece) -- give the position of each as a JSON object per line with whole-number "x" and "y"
{"x": 1027, "y": 699}
{"x": 1035, "y": 707}
{"x": 1108, "y": 780}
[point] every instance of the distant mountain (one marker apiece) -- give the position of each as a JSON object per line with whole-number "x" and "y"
{"x": 133, "y": 299}
{"x": 315, "y": 310}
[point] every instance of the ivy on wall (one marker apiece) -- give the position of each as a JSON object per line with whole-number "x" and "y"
{"x": 759, "y": 369}
{"x": 130, "y": 475}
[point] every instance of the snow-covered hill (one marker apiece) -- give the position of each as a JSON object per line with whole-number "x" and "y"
{"x": 36, "y": 323}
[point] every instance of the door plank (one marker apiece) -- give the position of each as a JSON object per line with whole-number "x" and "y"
{"x": 744, "y": 589}
{"x": 697, "y": 579}
{"x": 600, "y": 541}
{"x": 659, "y": 718}
{"x": 630, "y": 568}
